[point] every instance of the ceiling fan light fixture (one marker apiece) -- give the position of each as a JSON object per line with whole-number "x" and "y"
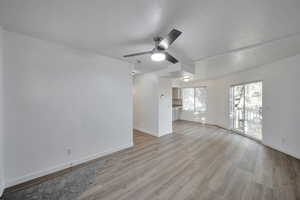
{"x": 164, "y": 44}
{"x": 159, "y": 53}
{"x": 186, "y": 78}
{"x": 158, "y": 56}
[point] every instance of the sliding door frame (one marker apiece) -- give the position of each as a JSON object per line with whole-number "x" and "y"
{"x": 232, "y": 106}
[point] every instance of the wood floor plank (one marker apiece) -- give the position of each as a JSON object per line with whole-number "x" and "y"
{"x": 196, "y": 162}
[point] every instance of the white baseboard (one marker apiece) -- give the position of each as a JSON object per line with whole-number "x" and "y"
{"x": 275, "y": 147}
{"x": 165, "y": 134}
{"x": 54, "y": 169}
{"x": 99, "y": 155}
{"x": 282, "y": 150}
{"x": 146, "y": 131}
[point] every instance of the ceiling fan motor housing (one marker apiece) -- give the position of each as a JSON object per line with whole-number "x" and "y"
{"x": 157, "y": 41}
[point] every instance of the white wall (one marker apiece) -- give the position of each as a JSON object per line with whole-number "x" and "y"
{"x": 152, "y": 113}
{"x": 165, "y": 106}
{"x": 145, "y": 103}
{"x": 1, "y": 118}
{"x": 59, "y": 99}
{"x": 281, "y": 99}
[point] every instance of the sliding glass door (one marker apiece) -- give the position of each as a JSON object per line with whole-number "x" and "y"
{"x": 238, "y": 107}
{"x": 246, "y": 109}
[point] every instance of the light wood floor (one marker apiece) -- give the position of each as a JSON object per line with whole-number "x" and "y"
{"x": 140, "y": 138}
{"x": 196, "y": 163}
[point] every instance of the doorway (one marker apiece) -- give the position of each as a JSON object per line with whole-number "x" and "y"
{"x": 246, "y": 109}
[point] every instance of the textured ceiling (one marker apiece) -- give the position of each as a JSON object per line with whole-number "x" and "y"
{"x": 118, "y": 27}
{"x": 224, "y": 64}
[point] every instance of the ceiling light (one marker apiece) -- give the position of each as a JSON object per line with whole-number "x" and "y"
{"x": 158, "y": 56}
{"x": 186, "y": 79}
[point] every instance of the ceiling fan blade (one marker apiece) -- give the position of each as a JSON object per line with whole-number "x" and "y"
{"x": 170, "y": 58}
{"x": 169, "y": 39}
{"x": 138, "y": 54}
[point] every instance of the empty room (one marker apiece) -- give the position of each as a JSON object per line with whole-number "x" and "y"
{"x": 149, "y": 100}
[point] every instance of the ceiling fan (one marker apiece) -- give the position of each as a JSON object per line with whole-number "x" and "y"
{"x": 159, "y": 53}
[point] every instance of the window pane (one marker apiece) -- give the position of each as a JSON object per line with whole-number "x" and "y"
{"x": 188, "y": 98}
{"x": 200, "y": 99}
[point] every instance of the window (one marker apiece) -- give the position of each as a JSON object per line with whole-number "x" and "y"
{"x": 188, "y": 99}
{"x": 200, "y": 99}
{"x": 194, "y": 99}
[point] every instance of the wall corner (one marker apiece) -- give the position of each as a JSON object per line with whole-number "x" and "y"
{"x": 2, "y": 181}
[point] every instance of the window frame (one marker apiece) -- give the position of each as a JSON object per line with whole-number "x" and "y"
{"x": 194, "y": 88}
